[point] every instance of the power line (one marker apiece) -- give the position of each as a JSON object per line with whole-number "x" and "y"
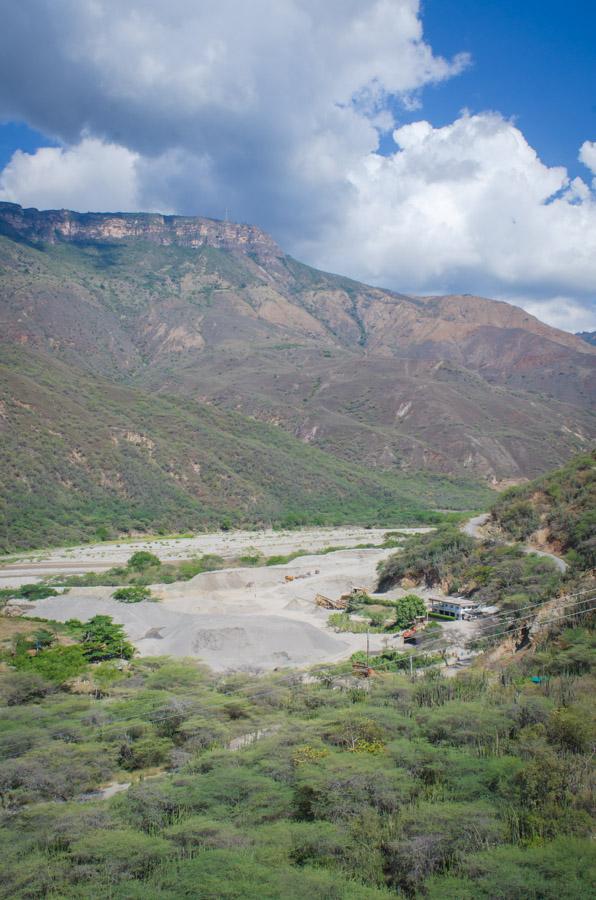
{"x": 512, "y": 617}
{"x": 479, "y": 636}
{"x": 566, "y": 615}
{"x": 290, "y": 681}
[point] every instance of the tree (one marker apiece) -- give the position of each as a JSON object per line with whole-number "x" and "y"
{"x": 406, "y": 610}
{"x": 142, "y": 560}
{"x": 104, "y": 639}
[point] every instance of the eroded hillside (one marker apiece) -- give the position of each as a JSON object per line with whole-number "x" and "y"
{"x": 216, "y": 312}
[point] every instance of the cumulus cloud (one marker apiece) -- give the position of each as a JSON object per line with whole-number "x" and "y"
{"x": 471, "y": 207}
{"x": 587, "y": 155}
{"x": 273, "y": 111}
{"x": 259, "y": 103}
{"x": 89, "y": 176}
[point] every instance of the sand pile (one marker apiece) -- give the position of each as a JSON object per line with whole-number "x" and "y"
{"x": 223, "y": 642}
{"x": 257, "y": 618}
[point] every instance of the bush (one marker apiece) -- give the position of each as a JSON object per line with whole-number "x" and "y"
{"x": 28, "y": 592}
{"x": 21, "y": 687}
{"x": 56, "y": 664}
{"x": 142, "y": 559}
{"x": 145, "y": 753}
{"x": 135, "y": 593}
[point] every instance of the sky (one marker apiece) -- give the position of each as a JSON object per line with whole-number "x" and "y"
{"x": 443, "y": 147}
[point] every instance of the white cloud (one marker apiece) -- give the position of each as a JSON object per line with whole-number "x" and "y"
{"x": 244, "y": 96}
{"x": 469, "y": 207}
{"x": 587, "y": 155}
{"x": 92, "y": 175}
{"x": 273, "y": 111}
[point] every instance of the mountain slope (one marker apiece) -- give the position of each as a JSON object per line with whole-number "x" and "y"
{"x": 557, "y": 510}
{"x": 81, "y": 455}
{"x": 216, "y": 313}
{"x": 588, "y": 336}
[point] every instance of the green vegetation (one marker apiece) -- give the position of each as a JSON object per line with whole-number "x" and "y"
{"x": 108, "y": 459}
{"x": 44, "y": 652}
{"x": 427, "y": 787}
{"x": 142, "y": 560}
{"x": 101, "y": 639}
{"x": 152, "y": 573}
{"x": 136, "y": 593}
{"x": 407, "y": 609}
{"x": 488, "y": 572}
{"x": 376, "y": 614}
{"x": 27, "y": 592}
{"x": 563, "y": 503}
{"x": 341, "y": 621}
{"x": 427, "y": 558}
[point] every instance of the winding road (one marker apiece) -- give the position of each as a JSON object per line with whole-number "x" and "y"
{"x": 473, "y": 529}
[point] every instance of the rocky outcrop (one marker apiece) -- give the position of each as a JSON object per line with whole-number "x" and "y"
{"x": 52, "y": 226}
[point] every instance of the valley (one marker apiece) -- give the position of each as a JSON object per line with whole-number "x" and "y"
{"x": 160, "y": 356}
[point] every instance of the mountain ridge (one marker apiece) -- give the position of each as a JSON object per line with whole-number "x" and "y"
{"x": 452, "y": 384}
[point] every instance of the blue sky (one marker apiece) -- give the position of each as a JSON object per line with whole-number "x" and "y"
{"x": 534, "y": 60}
{"x": 279, "y": 112}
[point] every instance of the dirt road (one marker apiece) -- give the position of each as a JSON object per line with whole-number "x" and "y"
{"x": 473, "y": 528}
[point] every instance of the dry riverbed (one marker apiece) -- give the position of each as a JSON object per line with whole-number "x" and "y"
{"x": 99, "y": 557}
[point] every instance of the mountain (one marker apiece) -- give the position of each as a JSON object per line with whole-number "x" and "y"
{"x": 82, "y": 457}
{"x": 588, "y": 336}
{"x": 214, "y": 319}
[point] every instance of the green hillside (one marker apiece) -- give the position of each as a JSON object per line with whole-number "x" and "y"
{"x": 562, "y": 503}
{"x": 84, "y": 457}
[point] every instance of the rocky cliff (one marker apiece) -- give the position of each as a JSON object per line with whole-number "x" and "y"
{"x": 50, "y": 226}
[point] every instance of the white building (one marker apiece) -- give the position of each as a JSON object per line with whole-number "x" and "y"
{"x": 456, "y": 607}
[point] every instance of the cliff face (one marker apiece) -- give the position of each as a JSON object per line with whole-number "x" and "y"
{"x": 51, "y": 226}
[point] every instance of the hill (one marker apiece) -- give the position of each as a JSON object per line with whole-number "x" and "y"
{"x": 557, "y": 510}
{"x": 81, "y": 456}
{"x": 217, "y": 313}
{"x": 588, "y": 336}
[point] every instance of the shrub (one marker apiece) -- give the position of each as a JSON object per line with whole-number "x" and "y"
{"x": 142, "y": 559}
{"x": 145, "y": 752}
{"x": 20, "y": 687}
{"x": 56, "y": 664}
{"x": 135, "y": 593}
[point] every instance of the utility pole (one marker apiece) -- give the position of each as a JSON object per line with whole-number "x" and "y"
{"x": 411, "y": 667}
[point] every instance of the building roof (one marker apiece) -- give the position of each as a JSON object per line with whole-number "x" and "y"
{"x": 454, "y": 601}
